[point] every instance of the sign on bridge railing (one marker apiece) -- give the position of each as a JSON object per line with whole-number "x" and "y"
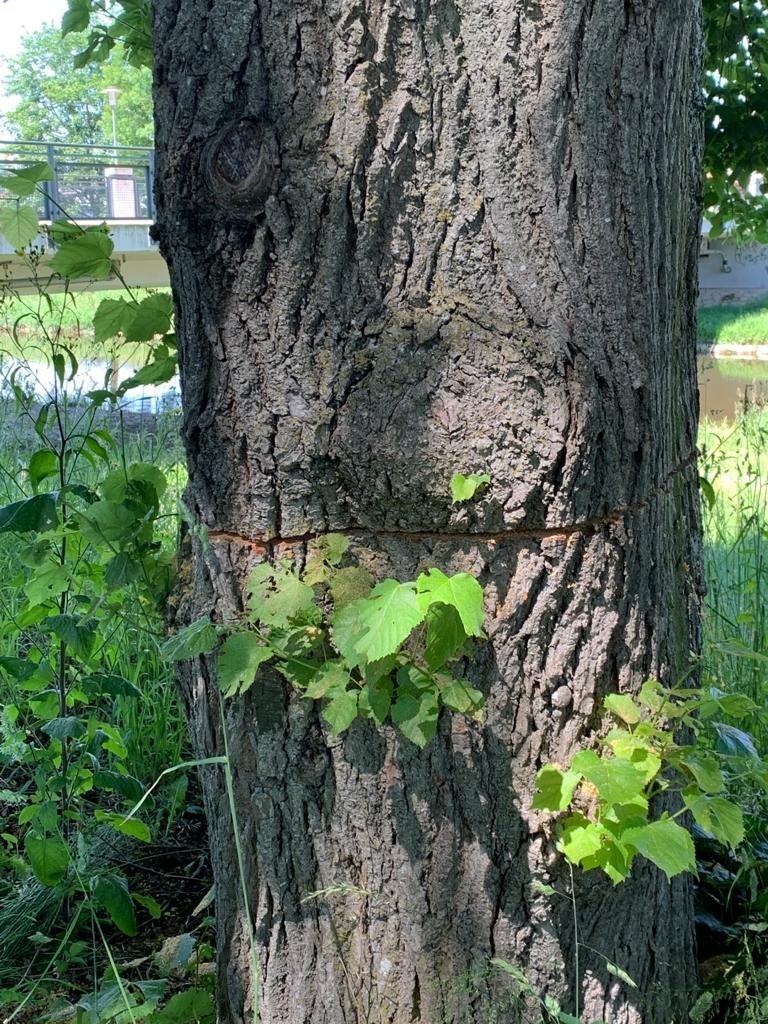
{"x": 89, "y": 182}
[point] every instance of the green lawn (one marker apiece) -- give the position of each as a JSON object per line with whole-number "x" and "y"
{"x": 733, "y": 324}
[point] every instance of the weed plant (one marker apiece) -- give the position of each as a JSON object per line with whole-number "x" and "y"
{"x": 746, "y": 324}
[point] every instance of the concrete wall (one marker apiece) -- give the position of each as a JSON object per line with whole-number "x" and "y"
{"x": 733, "y": 274}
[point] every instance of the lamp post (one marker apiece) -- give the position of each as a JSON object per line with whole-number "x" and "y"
{"x": 112, "y": 92}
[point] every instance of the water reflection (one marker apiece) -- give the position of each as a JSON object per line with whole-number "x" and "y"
{"x": 37, "y": 376}
{"x": 726, "y": 386}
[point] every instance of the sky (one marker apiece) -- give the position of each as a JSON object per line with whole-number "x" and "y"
{"x": 17, "y": 18}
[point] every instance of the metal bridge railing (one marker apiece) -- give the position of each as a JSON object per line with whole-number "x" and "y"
{"x": 89, "y": 182}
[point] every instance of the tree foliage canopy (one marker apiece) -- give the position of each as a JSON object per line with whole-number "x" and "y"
{"x": 59, "y": 102}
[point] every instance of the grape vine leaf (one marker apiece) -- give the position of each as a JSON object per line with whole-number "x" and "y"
{"x": 238, "y": 662}
{"x": 666, "y": 844}
{"x": 461, "y": 591}
{"x": 387, "y": 618}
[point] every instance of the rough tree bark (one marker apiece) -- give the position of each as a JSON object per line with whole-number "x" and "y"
{"x": 408, "y": 238}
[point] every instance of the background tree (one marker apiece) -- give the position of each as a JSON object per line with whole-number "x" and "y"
{"x": 61, "y": 103}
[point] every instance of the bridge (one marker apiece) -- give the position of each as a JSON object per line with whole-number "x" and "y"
{"x": 91, "y": 185}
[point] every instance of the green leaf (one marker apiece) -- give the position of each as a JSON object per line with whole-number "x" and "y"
{"x": 77, "y": 17}
{"x": 388, "y": 617}
{"x": 85, "y": 255}
{"x": 151, "y": 316}
{"x": 149, "y": 903}
{"x": 238, "y": 662}
{"x": 617, "y": 972}
{"x": 622, "y": 705}
{"x": 19, "y": 224}
{"x": 349, "y": 585}
{"x": 111, "y": 893}
{"x": 158, "y": 371}
{"x": 460, "y": 696}
{"x": 341, "y": 711}
{"x": 618, "y": 781}
{"x": 737, "y": 705}
{"x": 707, "y": 492}
{"x": 48, "y": 857}
{"x": 706, "y": 772}
{"x": 718, "y": 816}
{"x": 328, "y": 679}
{"x": 461, "y": 591}
{"x": 42, "y": 464}
{"x": 106, "y": 521}
{"x": 122, "y": 569}
{"x": 581, "y": 838}
{"x": 277, "y": 597}
{"x": 101, "y": 684}
{"x": 446, "y": 635}
{"x": 133, "y": 827}
{"x": 23, "y": 181}
{"x": 555, "y": 789}
{"x": 193, "y": 1006}
{"x": 114, "y": 782}
{"x": 70, "y": 727}
{"x": 73, "y": 630}
{"x": 199, "y": 637}
{"x": 665, "y": 844}
{"x": 415, "y": 710}
{"x": 110, "y": 318}
{"x": 34, "y": 514}
{"x": 375, "y": 699}
{"x": 464, "y": 487}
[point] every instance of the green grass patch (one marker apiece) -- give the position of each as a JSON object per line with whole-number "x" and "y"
{"x": 734, "y": 324}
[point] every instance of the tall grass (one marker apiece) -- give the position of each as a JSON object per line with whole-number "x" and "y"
{"x": 735, "y": 464}
{"x": 734, "y": 324}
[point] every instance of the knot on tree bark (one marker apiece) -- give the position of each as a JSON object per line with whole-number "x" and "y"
{"x": 240, "y": 164}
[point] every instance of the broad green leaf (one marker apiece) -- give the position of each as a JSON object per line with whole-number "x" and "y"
{"x": 199, "y": 637}
{"x": 637, "y": 749}
{"x": 101, "y": 684}
{"x": 48, "y": 857}
{"x": 415, "y": 710}
{"x": 78, "y": 633}
{"x": 111, "y": 317}
{"x": 465, "y": 486}
{"x": 106, "y": 521}
{"x": 706, "y": 772}
{"x": 85, "y": 255}
{"x": 375, "y": 699}
{"x": 718, "y": 816}
{"x": 329, "y": 679}
{"x": 239, "y": 659}
{"x": 111, "y": 893}
{"x": 341, "y": 711}
{"x": 461, "y": 591}
{"x": 617, "y": 781}
{"x": 24, "y": 180}
{"x": 122, "y": 569}
{"x": 77, "y": 16}
{"x": 149, "y": 903}
{"x": 192, "y": 1006}
{"x": 18, "y": 224}
{"x": 622, "y": 705}
{"x": 114, "y": 782}
{"x": 277, "y": 597}
{"x": 41, "y": 465}
{"x": 388, "y": 617}
{"x": 580, "y": 838}
{"x": 666, "y": 844}
{"x": 555, "y": 788}
{"x": 151, "y": 316}
{"x": 445, "y": 635}
{"x": 737, "y": 705}
{"x": 459, "y": 696}
{"x": 47, "y": 584}
{"x": 133, "y": 827}
{"x": 34, "y": 514}
{"x": 157, "y": 371}
{"x": 70, "y": 727}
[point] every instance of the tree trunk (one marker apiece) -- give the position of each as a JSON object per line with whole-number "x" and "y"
{"x": 407, "y": 239}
